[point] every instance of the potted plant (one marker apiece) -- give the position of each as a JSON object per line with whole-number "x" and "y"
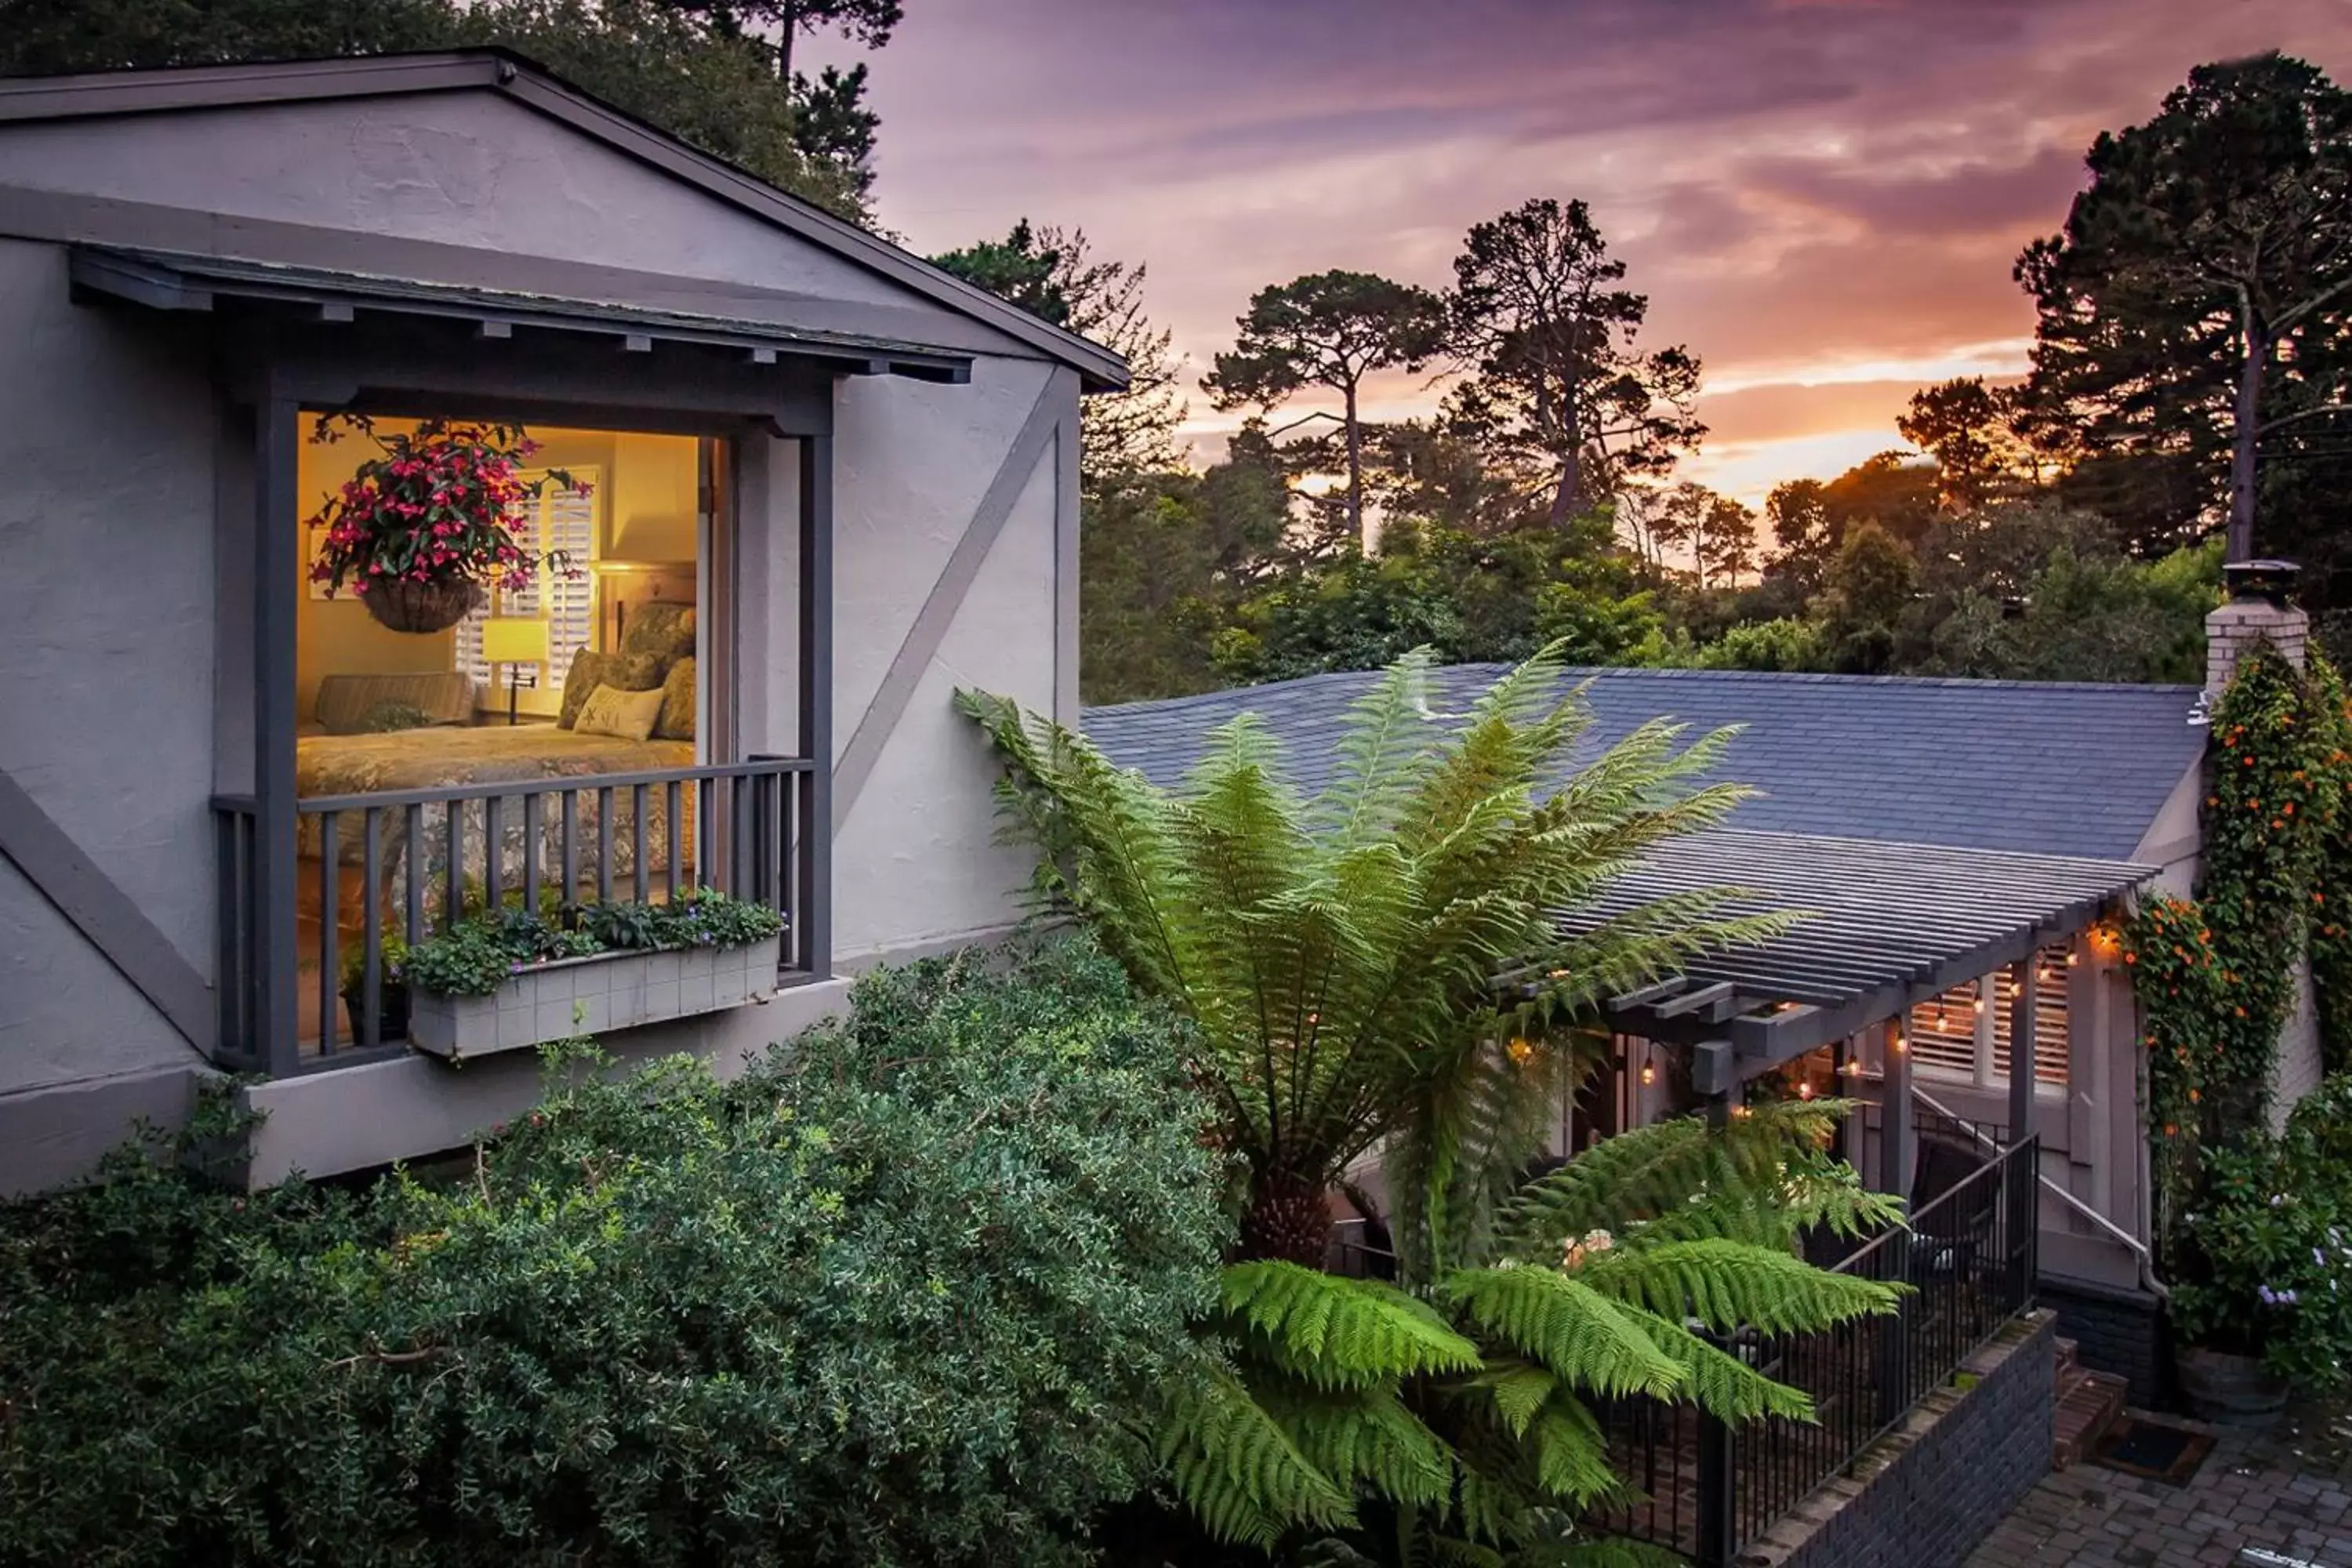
{"x": 2265, "y": 1304}
{"x": 419, "y": 530}
{"x": 392, "y": 993}
{"x": 514, "y": 978}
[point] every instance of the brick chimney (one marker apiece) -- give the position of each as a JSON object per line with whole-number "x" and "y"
{"x": 2258, "y": 609}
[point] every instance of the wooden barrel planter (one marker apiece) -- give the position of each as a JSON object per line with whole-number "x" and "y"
{"x": 2230, "y": 1390}
{"x": 410, "y": 606}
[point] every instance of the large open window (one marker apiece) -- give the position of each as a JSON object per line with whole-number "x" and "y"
{"x": 455, "y": 766}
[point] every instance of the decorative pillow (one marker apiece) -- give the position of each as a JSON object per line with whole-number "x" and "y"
{"x": 661, "y": 628}
{"x": 591, "y": 669}
{"x": 609, "y": 711}
{"x": 676, "y": 721}
{"x": 386, "y": 717}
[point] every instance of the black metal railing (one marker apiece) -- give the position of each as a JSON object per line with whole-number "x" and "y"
{"x": 373, "y": 870}
{"x": 1968, "y": 1258}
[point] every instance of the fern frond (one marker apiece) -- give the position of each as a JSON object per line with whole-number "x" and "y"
{"x": 1519, "y": 1389}
{"x": 1729, "y": 1285}
{"x": 1724, "y": 1385}
{"x": 1387, "y": 736}
{"x": 1369, "y": 1438}
{"x": 1573, "y": 1330}
{"x": 1335, "y": 1333}
{"x": 1239, "y": 1469}
{"x": 1659, "y": 1170}
{"x": 1571, "y": 1455}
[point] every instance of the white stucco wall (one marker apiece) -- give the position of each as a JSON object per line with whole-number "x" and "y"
{"x": 106, "y": 660}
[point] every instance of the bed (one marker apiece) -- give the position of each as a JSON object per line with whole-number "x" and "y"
{"x": 442, "y": 755}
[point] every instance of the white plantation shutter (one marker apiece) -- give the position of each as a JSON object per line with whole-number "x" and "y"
{"x": 2048, "y": 1019}
{"x": 558, "y": 520}
{"x": 1943, "y": 1032}
{"x": 1964, "y": 1032}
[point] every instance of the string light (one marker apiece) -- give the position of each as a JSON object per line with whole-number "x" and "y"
{"x": 1649, "y": 1072}
{"x": 1805, "y": 1090}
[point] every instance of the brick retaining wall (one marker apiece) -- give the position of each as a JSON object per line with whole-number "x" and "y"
{"x": 1927, "y": 1492}
{"x": 2121, "y": 1332}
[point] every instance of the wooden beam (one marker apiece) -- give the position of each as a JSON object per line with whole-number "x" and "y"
{"x": 2023, "y": 1007}
{"x": 110, "y": 920}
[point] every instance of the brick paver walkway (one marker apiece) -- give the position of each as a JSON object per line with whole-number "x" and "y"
{"x": 2269, "y": 1493}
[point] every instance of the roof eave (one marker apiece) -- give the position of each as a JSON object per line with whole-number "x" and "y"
{"x": 500, "y": 69}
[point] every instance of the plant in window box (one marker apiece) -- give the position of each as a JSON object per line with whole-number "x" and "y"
{"x": 515, "y": 978}
{"x": 418, "y": 531}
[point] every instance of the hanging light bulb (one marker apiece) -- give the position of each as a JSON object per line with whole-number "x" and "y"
{"x": 1649, "y": 1072}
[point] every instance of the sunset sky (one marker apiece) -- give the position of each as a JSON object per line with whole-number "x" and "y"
{"x": 1821, "y": 197}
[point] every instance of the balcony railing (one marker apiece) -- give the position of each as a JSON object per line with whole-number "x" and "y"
{"x": 1706, "y": 1489}
{"x": 373, "y": 868}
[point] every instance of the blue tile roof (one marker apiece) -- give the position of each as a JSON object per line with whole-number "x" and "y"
{"x": 2050, "y": 768}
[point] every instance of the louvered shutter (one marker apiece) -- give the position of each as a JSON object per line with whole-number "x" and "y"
{"x": 2049, "y": 1032}
{"x": 562, "y": 520}
{"x": 1943, "y": 1031}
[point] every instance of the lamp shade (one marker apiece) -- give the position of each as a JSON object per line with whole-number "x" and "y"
{"x": 514, "y": 639}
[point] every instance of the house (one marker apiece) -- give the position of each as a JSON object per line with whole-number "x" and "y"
{"x": 1961, "y": 851}
{"x": 819, "y": 483}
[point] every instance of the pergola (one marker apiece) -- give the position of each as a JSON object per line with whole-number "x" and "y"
{"x": 1881, "y": 928}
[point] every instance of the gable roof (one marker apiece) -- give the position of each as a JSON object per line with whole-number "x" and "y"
{"x": 2047, "y": 768}
{"x": 503, "y": 71}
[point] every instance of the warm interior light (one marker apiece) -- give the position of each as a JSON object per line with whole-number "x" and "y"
{"x": 1804, "y": 1091}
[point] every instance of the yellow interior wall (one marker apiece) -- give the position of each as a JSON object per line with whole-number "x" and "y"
{"x": 648, "y": 515}
{"x": 650, "y": 510}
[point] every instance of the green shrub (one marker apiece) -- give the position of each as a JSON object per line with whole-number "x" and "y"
{"x": 898, "y": 1296}
{"x": 2271, "y": 1242}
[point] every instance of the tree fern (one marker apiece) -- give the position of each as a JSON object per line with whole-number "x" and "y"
{"x": 1381, "y": 969}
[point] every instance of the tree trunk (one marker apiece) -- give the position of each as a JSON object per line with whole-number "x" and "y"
{"x": 1288, "y": 1221}
{"x": 1568, "y": 498}
{"x": 787, "y": 27}
{"x": 2247, "y": 417}
{"x": 1355, "y": 468}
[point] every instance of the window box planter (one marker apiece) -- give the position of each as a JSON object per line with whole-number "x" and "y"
{"x": 592, "y": 995}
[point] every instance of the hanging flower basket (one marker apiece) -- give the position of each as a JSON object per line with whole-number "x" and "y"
{"x": 405, "y": 607}
{"x": 420, "y": 530}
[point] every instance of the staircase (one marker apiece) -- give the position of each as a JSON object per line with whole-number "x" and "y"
{"x": 2088, "y": 1403}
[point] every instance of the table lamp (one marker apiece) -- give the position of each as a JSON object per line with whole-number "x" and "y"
{"x": 511, "y": 640}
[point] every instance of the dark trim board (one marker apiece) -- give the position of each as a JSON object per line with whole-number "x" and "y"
{"x": 176, "y": 281}
{"x": 104, "y": 914}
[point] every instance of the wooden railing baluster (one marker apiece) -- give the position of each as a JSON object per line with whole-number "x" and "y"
{"x": 571, "y": 847}
{"x": 454, "y": 909}
{"x": 605, "y": 844}
{"x": 493, "y": 853}
{"x": 413, "y": 832}
{"x": 530, "y": 816}
{"x": 330, "y": 918}
{"x": 368, "y": 1028}
{"x": 672, "y": 798}
{"x": 638, "y": 870}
